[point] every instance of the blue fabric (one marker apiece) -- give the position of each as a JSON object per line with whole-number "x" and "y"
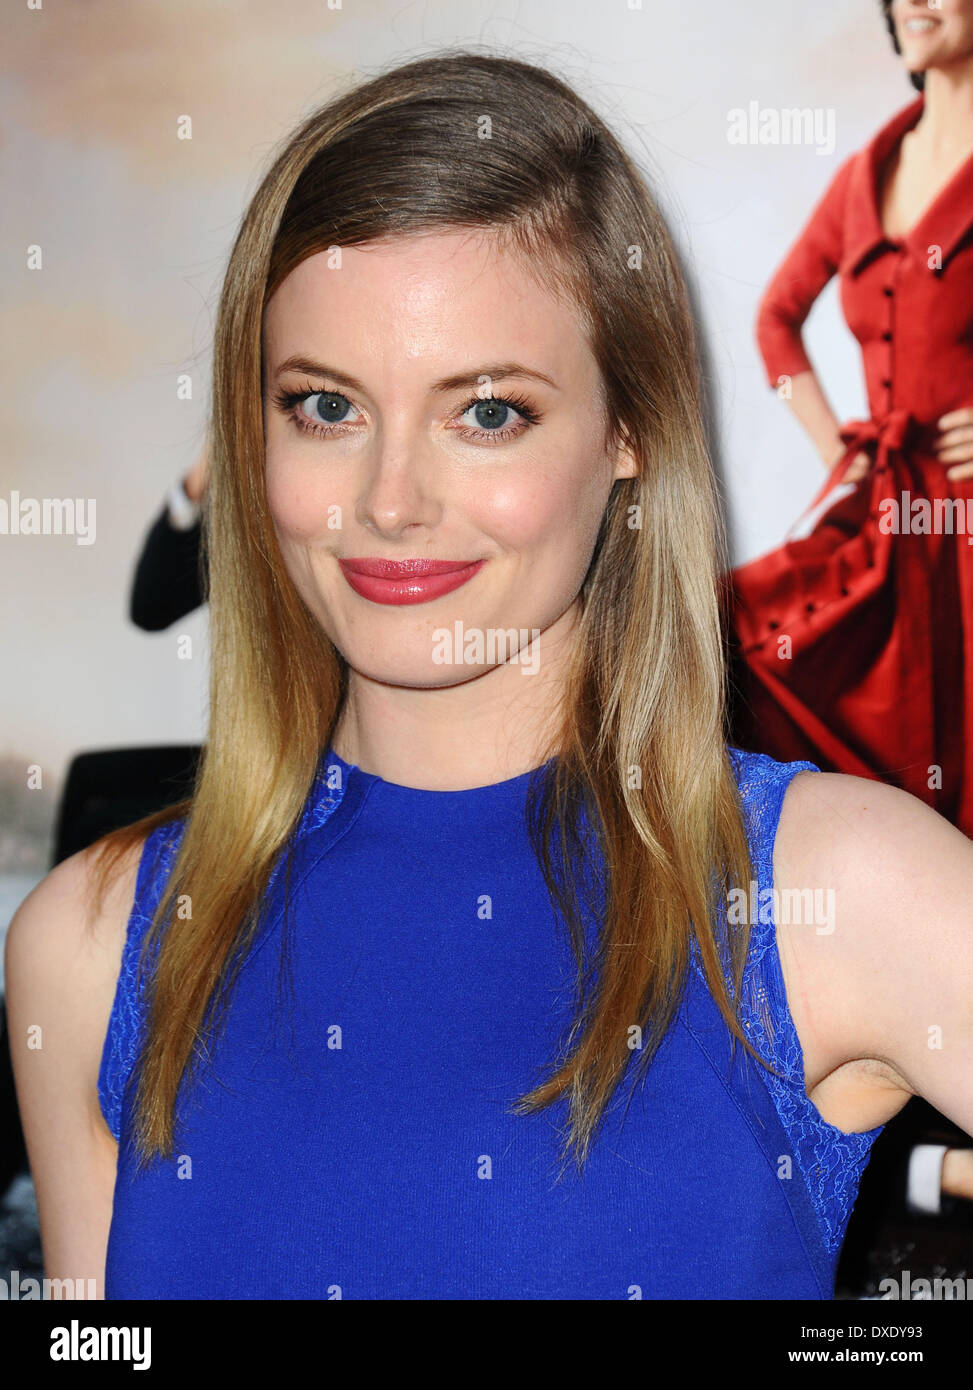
{"x": 351, "y": 1136}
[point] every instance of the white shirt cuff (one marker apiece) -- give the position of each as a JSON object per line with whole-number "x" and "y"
{"x": 183, "y": 512}
{"x": 924, "y": 1182}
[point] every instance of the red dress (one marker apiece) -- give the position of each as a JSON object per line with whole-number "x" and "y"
{"x": 854, "y": 644}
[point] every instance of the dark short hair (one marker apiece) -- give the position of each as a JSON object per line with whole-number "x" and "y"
{"x": 918, "y": 79}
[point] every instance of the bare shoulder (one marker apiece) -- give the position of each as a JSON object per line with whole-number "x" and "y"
{"x": 63, "y": 919}
{"x": 881, "y": 847}
{"x": 63, "y": 954}
{"x": 885, "y": 958}
{"x": 872, "y": 812}
{"x": 64, "y": 898}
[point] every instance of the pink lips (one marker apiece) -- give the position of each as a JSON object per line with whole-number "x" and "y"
{"x": 406, "y": 581}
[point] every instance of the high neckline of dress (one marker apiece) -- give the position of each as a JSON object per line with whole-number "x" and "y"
{"x": 399, "y": 790}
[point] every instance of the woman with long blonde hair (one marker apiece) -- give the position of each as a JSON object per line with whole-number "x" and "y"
{"x": 477, "y": 966}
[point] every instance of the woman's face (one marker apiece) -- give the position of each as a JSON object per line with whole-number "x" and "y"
{"x": 933, "y": 35}
{"x": 446, "y": 408}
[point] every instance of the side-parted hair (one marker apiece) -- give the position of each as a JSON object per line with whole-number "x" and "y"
{"x": 640, "y": 757}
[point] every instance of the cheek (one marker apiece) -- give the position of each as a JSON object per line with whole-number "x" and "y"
{"x": 547, "y": 509}
{"x": 300, "y": 502}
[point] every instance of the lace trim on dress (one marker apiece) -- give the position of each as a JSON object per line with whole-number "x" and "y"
{"x": 830, "y": 1160}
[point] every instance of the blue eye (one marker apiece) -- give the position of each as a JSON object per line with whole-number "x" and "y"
{"x": 325, "y": 407}
{"x": 491, "y": 414}
{"x": 323, "y": 413}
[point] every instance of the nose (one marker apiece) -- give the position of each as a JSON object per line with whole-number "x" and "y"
{"x": 399, "y": 490}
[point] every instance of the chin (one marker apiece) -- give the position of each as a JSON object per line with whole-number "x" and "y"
{"x": 917, "y": 50}
{"x": 411, "y": 671}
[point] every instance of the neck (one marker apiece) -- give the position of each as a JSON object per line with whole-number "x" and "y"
{"x": 946, "y": 124}
{"x": 492, "y": 727}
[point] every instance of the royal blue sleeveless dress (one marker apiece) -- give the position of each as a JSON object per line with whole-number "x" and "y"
{"x": 351, "y": 1135}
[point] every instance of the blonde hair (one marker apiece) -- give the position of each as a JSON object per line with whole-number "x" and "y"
{"x": 641, "y": 798}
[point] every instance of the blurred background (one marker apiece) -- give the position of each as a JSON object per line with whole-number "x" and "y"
{"x": 132, "y": 138}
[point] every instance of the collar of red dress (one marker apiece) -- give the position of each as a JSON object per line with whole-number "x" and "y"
{"x": 945, "y": 222}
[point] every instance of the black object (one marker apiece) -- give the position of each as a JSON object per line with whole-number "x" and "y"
{"x": 170, "y": 575}
{"x": 884, "y": 1238}
{"x": 109, "y": 789}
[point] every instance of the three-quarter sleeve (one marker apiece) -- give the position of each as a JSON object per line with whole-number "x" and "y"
{"x": 799, "y": 279}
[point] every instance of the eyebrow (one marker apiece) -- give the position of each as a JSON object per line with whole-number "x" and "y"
{"x": 496, "y": 371}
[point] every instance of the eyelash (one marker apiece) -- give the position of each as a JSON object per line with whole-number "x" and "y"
{"x": 288, "y": 401}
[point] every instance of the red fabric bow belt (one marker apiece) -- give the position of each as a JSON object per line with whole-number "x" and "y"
{"x": 830, "y": 633}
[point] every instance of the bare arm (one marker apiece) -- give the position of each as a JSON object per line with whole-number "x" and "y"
{"x": 811, "y": 407}
{"x": 62, "y": 969}
{"x": 882, "y": 1000}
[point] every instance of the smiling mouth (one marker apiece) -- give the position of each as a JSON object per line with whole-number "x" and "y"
{"x": 919, "y": 25}
{"x": 407, "y": 581}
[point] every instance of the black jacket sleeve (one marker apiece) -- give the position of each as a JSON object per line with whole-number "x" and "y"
{"x": 170, "y": 579}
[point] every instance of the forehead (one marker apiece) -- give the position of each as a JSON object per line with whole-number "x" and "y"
{"x": 439, "y": 300}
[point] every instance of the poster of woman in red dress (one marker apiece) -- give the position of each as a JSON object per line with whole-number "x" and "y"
{"x": 854, "y": 640}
